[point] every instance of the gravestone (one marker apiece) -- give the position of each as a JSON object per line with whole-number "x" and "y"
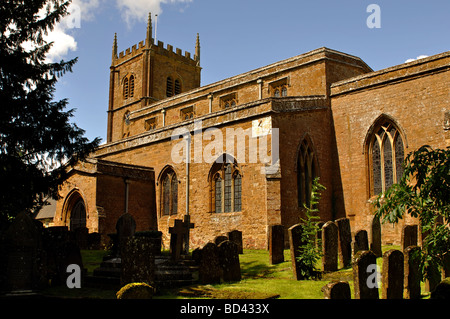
{"x": 236, "y": 237}
{"x": 138, "y": 261}
{"x": 362, "y": 261}
{"x": 125, "y": 228}
{"x": 22, "y": 256}
{"x": 295, "y": 240}
{"x": 442, "y": 290}
{"x": 219, "y": 239}
{"x": 337, "y": 290}
{"x": 81, "y": 237}
{"x": 434, "y": 277}
{"x": 177, "y": 237}
{"x": 375, "y": 237}
{"x": 409, "y": 236}
{"x": 276, "y": 244}
{"x": 330, "y": 246}
{"x": 229, "y": 260}
{"x": 412, "y": 272}
{"x": 361, "y": 241}
{"x": 210, "y": 270}
{"x": 393, "y": 275}
{"x": 446, "y": 267}
{"x": 345, "y": 241}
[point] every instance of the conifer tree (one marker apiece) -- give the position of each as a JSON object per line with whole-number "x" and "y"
{"x": 36, "y": 135}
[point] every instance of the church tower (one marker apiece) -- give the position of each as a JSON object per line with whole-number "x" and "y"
{"x": 144, "y": 74}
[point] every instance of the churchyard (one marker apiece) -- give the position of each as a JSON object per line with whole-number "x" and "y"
{"x": 352, "y": 266}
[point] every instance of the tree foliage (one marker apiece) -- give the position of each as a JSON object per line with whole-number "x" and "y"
{"x": 309, "y": 250}
{"x": 424, "y": 193}
{"x": 36, "y": 135}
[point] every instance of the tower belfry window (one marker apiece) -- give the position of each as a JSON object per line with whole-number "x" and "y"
{"x": 125, "y": 88}
{"x": 177, "y": 87}
{"x": 169, "y": 87}
{"x": 132, "y": 86}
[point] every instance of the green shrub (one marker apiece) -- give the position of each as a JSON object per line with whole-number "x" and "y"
{"x": 135, "y": 290}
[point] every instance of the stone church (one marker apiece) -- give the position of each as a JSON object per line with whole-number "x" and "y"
{"x": 323, "y": 114}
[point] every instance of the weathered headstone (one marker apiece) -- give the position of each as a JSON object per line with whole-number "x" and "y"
{"x": 330, "y": 244}
{"x": 361, "y": 241}
{"x": 22, "y": 256}
{"x": 345, "y": 241}
{"x": 276, "y": 244}
{"x": 219, "y": 239}
{"x": 442, "y": 290}
{"x": 446, "y": 265}
{"x": 433, "y": 279}
{"x": 138, "y": 261}
{"x": 229, "y": 260}
{"x": 365, "y": 277}
{"x": 210, "y": 270}
{"x": 125, "y": 228}
{"x": 409, "y": 236}
{"x": 177, "y": 237}
{"x": 412, "y": 272}
{"x": 236, "y": 237}
{"x": 337, "y": 290}
{"x": 295, "y": 240}
{"x": 375, "y": 237}
{"x": 393, "y": 275}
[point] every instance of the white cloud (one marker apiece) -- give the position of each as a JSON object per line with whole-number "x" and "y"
{"x": 63, "y": 41}
{"x": 418, "y": 58}
{"x": 137, "y": 10}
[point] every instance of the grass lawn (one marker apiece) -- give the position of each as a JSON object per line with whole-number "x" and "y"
{"x": 260, "y": 280}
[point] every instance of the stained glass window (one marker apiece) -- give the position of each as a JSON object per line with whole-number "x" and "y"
{"x": 387, "y": 155}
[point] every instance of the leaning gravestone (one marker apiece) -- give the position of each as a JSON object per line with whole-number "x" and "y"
{"x": 236, "y": 237}
{"x": 209, "y": 269}
{"x": 345, "y": 241}
{"x": 361, "y": 241}
{"x": 393, "y": 275}
{"x": 330, "y": 246}
{"x": 295, "y": 240}
{"x": 229, "y": 260}
{"x": 125, "y": 227}
{"x": 412, "y": 272}
{"x": 337, "y": 290}
{"x": 409, "y": 236}
{"x": 375, "y": 237}
{"x": 276, "y": 244}
{"x": 365, "y": 281}
{"x": 138, "y": 261}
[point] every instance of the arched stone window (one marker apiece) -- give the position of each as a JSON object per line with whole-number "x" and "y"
{"x": 386, "y": 155}
{"x": 132, "y": 86}
{"x": 169, "y": 192}
{"x": 126, "y": 88}
{"x": 177, "y": 86}
{"x": 306, "y": 171}
{"x": 169, "y": 87}
{"x": 226, "y": 185}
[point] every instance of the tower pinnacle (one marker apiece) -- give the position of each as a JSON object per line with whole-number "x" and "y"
{"x": 149, "y": 30}
{"x": 197, "y": 50}
{"x": 114, "y": 48}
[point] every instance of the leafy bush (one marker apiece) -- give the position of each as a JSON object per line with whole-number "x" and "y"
{"x": 309, "y": 251}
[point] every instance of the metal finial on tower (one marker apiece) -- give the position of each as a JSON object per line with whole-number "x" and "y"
{"x": 114, "y": 48}
{"x": 197, "y": 50}
{"x": 149, "y": 29}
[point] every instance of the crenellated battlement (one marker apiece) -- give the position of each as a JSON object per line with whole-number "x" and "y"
{"x": 159, "y": 48}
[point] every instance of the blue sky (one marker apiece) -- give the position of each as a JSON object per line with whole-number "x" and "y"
{"x": 239, "y": 35}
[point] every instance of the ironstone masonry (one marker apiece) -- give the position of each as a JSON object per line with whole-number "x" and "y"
{"x": 327, "y": 107}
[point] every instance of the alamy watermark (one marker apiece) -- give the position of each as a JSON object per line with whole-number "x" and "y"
{"x": 374, "y": 279}
{"x": 257, "y": 144}
{"x": 374, "y": 19}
